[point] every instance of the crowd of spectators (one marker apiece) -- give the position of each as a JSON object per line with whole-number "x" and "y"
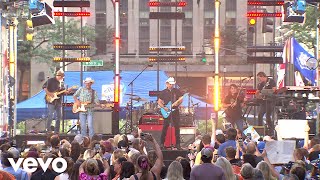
{"x": 228, "y": 155}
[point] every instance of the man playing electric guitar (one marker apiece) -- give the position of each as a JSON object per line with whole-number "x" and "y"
{"x": 266, "y": 104}
{"x": 51, "y": 86}
{"x": 86, "y": 95}
{"x": 168, "y": 96}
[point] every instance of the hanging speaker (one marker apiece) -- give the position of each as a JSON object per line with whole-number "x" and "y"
{"x": 45, "y": 16}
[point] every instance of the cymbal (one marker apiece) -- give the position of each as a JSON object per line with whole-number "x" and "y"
{"x": 138, "y": 99}
{"x": 129, "y": 94}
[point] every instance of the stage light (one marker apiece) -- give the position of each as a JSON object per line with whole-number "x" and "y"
{"x": 71, "y": 46}
{"x": 166, "y": 59}
{"x": 265, "y": 3}
{"x": 60, "y": 59}
{"x": 167, "y": 48}
{"x": 72, "y": 14}
{"x": 168, "y": 4}
{"x": 166, "y": 15}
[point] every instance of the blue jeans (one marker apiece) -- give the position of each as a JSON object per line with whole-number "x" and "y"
{"x": 238, "y": 123}
{"x": 84, "y": 117}
{"x": 54, "y": 109}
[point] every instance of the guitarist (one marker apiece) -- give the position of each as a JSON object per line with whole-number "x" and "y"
{"x": 86, "y": 95}
{"x": 234, "y": 102}
{"x": 266, "y": 104}
{"x": 51, "y": 86}
{"x": 173, "y": 95}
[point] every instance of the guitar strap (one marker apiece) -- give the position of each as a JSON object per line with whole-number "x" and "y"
{"x": 92, "y": 96}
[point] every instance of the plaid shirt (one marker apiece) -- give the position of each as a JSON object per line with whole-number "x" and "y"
{"x": 85, "y": 95}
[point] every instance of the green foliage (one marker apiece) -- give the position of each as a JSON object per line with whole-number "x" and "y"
{"x": 233, "y": 37}
{"x": 305, "y": 32}
{"x": 41, "y": 48}
{"x": 202, "y": 125}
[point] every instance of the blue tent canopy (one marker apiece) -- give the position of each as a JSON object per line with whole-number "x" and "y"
{"x": 35, "y": 107}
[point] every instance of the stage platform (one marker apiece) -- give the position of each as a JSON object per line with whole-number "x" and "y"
{"x": 24, "y": 138}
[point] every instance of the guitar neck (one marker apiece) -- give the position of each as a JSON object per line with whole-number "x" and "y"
{"x": 60, "y": 92}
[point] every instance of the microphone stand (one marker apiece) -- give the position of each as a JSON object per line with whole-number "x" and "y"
{"x": 131, "y": 85}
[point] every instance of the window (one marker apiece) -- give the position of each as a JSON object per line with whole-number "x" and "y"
{"x": 144, "y": 33}
{"x": 144, "y": 5}
{"x": 165, "y": 33}
{"x": 101, "y": 19}
{"x": 189, "y": 5}
{"x": 101, "y": 6}
{"x": 187, "y": 34}
{"x": 144, "y": 48}
{"x": 101, "y": 46}
{"x": 231, "y": 5}
{"x": 209, "y": 5}
{"x": 208, "y": 33}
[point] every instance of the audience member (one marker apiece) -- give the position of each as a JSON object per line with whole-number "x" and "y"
{"x": 227, "y": 169}
{"x": 175, "y": 171}
{"x": 19, "y": 174}
{"x": 231, "y": 136}
{"x": 207, "y": 170}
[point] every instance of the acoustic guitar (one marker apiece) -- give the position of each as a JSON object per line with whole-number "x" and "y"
{"x": 50, "y": 99}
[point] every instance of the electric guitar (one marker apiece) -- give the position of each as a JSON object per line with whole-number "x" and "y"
{"x": 165, "y": 113}
{"x": 50, "y": 99}
{"x": 84, "y": 105}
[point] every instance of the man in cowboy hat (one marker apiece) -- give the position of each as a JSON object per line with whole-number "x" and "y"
{"x": 51, "y": 86}
{"x": 86, "y": 95}
{"x": 173, "y": 95}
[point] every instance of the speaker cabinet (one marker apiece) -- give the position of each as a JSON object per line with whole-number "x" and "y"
{"x": 187, "y": 134}
{"x": 35, "y": 125}
{"x": 102, "y": 122}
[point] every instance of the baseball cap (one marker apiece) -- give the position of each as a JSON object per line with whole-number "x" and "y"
{"x": 122, "y": 144}
{"x": 79, "y": 138}
{"x": 207, "y": 152}
{"x": 15, "y": 152}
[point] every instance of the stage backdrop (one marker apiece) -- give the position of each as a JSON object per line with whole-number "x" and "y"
{"x": 35, "y": 107}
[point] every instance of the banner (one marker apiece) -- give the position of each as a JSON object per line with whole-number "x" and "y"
{"x": 300, "y": 58}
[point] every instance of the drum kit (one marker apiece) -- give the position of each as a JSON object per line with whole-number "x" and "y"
{"x": 148, "y": 108}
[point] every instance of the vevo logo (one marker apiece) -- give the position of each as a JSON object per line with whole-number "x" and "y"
{"x": 30, "y": 164}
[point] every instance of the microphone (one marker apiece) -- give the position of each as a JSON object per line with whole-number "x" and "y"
{"x": 150, "y": 65}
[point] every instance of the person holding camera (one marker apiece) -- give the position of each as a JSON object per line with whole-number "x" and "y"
{"x": 145, "y": 171}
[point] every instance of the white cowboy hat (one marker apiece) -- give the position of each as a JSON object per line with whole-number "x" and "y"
{"x": 60, "y": 73}
{"x": 171, "y": 80}
{"x": 88, "y": 80}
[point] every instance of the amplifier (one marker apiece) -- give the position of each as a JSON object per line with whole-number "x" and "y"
{"x": 102, "y": 122}
{"x": 151, "y": 119}
{"x": 186, "y": 120}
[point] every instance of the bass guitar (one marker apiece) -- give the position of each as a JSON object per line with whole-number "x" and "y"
{"x": 50, "y": 99}
{"x": 85, "y": 105}
{"x": 165, "y": 113}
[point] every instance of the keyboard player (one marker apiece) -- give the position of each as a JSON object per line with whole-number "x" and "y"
{"x": 266, "y": 103}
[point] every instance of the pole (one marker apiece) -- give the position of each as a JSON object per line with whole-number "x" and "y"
{"x": 216, "y": 59}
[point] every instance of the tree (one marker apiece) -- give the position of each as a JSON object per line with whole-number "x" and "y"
{"x": 232, "y": 38}
{"x": 41, "y": 48}
{"x": 305, "y": 33}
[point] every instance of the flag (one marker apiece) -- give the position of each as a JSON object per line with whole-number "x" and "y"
{"x": 281, "y": 68}
{"x": 300, "y": 58}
